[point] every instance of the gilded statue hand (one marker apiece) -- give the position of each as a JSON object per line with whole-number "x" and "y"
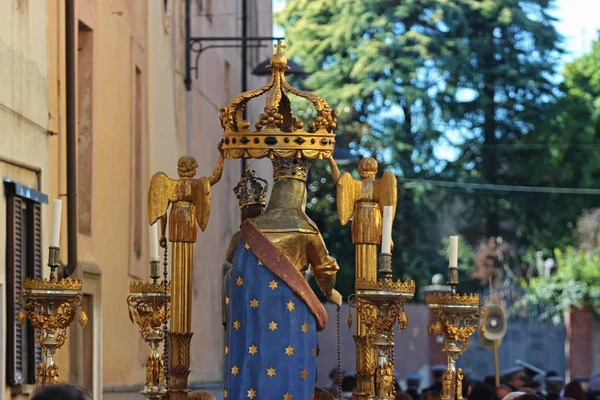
{"x": 335, "y": 297}
{"x": 163, "y": 241}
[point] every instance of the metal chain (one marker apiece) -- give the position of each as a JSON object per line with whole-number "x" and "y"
{"x": 166, "y": 347}
{"x": 339, "y": 356}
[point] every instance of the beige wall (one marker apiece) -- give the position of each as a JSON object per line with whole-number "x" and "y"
{"x": 106, "y": 261}
{"x": 23, "y": 119}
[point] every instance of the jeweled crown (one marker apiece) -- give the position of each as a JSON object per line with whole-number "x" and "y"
{"x": 277, "y": 133}
{"x": 251, "y": 190}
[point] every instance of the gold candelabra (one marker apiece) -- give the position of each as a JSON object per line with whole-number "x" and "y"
{"x": 149, "y": 308}
{"x": 379, "y": 305}
{"x": 51, "y": 304}
{"x": 457, "y": 320}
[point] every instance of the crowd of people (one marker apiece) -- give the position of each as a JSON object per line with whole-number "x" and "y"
{"x": 515, "y": 384}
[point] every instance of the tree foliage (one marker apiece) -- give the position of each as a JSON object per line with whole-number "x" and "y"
{"x": 475, "y": 75}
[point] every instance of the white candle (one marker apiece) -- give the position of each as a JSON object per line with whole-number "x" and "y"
{"x": 154, "y": 242}
{"x": 56, "y": 213}
{"x": 386, "y": 233}
{"x": 453, "y": 256}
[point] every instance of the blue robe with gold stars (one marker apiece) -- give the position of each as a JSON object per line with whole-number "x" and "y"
{"x": 271, "y": 335}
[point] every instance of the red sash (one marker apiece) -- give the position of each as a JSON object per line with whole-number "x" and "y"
{"x": 280, "y": 265}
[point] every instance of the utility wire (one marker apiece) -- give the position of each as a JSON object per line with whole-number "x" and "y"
{"x": 504, "y": 188}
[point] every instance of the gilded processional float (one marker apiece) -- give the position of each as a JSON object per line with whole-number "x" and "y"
{"x": 271, "y": 315}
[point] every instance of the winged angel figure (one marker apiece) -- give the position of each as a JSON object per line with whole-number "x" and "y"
{"x": 189, "y": 199}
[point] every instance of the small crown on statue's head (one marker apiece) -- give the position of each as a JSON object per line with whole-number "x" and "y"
{"x": 277, "y": 133}
{"x": 251, "y": 190}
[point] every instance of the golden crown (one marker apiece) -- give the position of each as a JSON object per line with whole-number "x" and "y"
{"x": 278, "y": 134}
{"x": 471, "y": 299}
{"x": 143, "y": 287}
{"x": 251, "y": 190}
{"x": 398, "y": 286}
{"x": 45, "y": 284}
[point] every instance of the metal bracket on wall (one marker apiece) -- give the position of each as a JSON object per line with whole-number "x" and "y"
{"x": 195, "y": 46}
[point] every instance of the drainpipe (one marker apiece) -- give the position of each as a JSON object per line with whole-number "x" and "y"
{"x": 71, "y": 115}
{"x": 244, "y": 62}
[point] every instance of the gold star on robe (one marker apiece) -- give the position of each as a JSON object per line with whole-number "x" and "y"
{"x": 304, "y": 374}
{"x": 251, "y": 393}
{"x": 247, "y": 246}
{"x": 237, "y": 325}
{"x": 225, "y": 393}
{"x": 226, "y": 350}
{"x": 226, "y": 300}
{"x": 271, "y": 372}
{"x": 272, "y": 325}
{"x": 252, "y": 350}
{"x": 260, "y": 262}
{"x": 314, "y": 351}
{"x": 254, "y": 303}
{"x": 289, "y": 351}
{"x": 272, "y": 285}
{"x": 235, "y": 370}
{"x": 287, "y": 396}
{"x": 239, "y": 281}
{"x": 304, "y": 328}
{"x": 291, "y": 306}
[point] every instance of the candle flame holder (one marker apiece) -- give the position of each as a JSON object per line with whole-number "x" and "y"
{"x": 456, "y": 320}
{"x": 380, "y": 306}
{"x": 51, "y": 305}
{"x": 149, "y": 308}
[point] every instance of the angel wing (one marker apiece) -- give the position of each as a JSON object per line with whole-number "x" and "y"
{"x": 202, "y": 201}
{"x": 348, "y": 191}
{"x": 162, "y": 190}
{"x": 385, "y": 191}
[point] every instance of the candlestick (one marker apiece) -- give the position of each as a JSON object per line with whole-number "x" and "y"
{"x": 154, "y": 242}
{"x": 453, "y": 261}
{"x": 453, "y": 256}
{"x": 57, "y": 210}
{"x": 386, "y": 233}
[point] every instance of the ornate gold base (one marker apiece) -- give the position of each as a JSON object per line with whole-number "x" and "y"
{"x": 180, "y": 365}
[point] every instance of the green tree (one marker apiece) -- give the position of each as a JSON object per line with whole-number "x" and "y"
{"x": 569, "y": 156}
{"x": 500, "y": 86}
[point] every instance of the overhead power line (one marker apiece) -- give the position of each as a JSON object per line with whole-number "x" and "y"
{"x": 503, "y": 188}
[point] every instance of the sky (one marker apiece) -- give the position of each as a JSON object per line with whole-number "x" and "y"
{"x": 578, "y": 23}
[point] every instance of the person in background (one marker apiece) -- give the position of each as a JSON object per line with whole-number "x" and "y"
{"x": 348, "y": 386}
{"x": 61, "y": 391}
{"x": 513, "y": 395}
{"x": 502, "y": 391}
{"x": 481, "y": 391}
{"x": 201, "y": 395}
{"x": 334, "y": 376}
{"x": 554, "y": 385}
{"x": 402, "y": 396}
{"x": 515, "y": 378}
{"x": 574, "y": 391}
{"x": 594, "y": 385}
{"x": 431, "y": 396}
{"x": 413, "y": 381}
{"x": 322, "y": 394}
{"x": 536, "y": 384}
{"x": 528, "y": 396}
{"x": 437, "y": 372}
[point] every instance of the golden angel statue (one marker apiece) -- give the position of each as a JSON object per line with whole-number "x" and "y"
{"x": 363, "y": 201}
{"x": 189, "y": 200}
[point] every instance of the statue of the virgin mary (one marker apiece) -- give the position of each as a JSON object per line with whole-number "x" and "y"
{"x": 272, "y": 315}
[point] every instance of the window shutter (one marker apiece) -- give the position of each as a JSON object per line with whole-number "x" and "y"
{"x": 34, "y": 270}
{"x": 16, "y": 238}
